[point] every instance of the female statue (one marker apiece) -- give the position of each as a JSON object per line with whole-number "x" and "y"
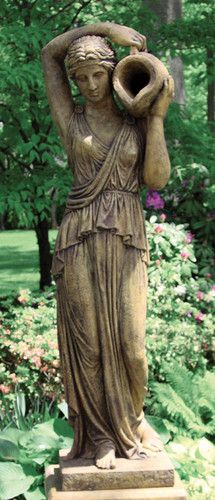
{"x": 101, "y": 250}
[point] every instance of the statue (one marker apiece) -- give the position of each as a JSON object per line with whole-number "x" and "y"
{"x": 101, "y": 254}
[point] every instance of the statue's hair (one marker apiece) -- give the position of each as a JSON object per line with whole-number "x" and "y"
{"x": 89, "y": 49}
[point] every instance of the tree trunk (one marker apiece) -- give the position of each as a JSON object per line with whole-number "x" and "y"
{"x": 2, "y": 222}
{"x": 168, "y": 11}
{"x": 211, "y": 90}
{"x": 54, "y": 224}
{"x": 177, "y": 71}
{"x": 45, "y": 259}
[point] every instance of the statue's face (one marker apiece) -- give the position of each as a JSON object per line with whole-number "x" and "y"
{"x": 93, "y": 82}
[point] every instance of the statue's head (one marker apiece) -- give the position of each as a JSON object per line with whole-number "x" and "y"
{"x": 89, "y": 50}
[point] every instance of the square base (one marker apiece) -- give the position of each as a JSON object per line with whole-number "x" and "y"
{"x": 150, "y": 472}
{"x": 54, "y": 490}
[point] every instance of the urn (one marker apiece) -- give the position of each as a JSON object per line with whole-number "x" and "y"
{"x": 137, "y": 80}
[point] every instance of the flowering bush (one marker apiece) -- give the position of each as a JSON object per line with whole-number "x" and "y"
{"x": 28, "y": 340}
{"x": 179, "y": 322}
{"x": 189, "y": 196}
{"x": 154, "y": 200}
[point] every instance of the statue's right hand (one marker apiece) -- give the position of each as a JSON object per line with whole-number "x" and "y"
{"x": 127, "y": 36}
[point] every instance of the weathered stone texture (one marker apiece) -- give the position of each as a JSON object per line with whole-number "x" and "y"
{"x": 82, "y": 474}
{"x": 54, "y": 491}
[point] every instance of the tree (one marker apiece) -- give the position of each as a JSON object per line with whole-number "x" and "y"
{"x": 32, "y": 159}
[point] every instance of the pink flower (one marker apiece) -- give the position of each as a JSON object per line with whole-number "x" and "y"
{"x": 14, "y": 378}
{"x": 158, "y": 262}
{"x": 159, "y": 229}
{"x": 44, "y": 368}
{"x": 200, "y": 316}
{"x": 22, "y": 300}
{"x": 37, "y": 351}
{"x": 5, "y": 389}
{"x": 36, "y": 361}
{"x": 163, "y": 217}
{"x": 154, "y": 200}
{"x": 200, "y": 295}
{"x": 189, "y": 237}
{"x": 208, "y": 275}
{"x": 52, "y": 344}
{"x": 184, "y": 255}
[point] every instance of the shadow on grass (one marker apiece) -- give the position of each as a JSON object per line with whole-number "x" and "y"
{"x": 19, "y": 269}
{"x": 13, "y": 260}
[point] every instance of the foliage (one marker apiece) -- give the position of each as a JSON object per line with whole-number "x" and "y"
{"x": 185, "y": 399}
{"x": 34, "y": 163}
{"x": 195, "y": 462}
{"x": 29, "y": 348}
{"x": 192, "y": 193}
{"x": 180, "y": 303}
{"x": 25, "y": 451}
{"x": 24, "y": 454}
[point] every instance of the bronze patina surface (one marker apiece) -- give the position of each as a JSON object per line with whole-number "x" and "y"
{"x": 101, "y": 255}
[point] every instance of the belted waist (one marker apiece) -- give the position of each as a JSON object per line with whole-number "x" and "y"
{"x": 123, "y": 192}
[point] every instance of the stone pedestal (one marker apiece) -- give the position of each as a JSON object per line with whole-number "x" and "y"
{"x": 149, "y": 479}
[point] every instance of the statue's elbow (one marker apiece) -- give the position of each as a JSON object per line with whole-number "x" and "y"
{"x": 156, "y": 183}
{"x": 45, "y": 53}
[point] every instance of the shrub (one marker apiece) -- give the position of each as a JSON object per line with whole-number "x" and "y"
{"x": 30, "y": 358}
{"x": 189, "y": 196}
{"x": 194, "y": 461}
{"x": 185, "y": 401}
{"x": 179, "y": 323}
{"x": 26, "y": 450}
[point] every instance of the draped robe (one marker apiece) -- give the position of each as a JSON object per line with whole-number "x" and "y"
{"x": 100, "y": 265}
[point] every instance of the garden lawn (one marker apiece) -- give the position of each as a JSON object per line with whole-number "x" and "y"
{"x": 19, "y": 260}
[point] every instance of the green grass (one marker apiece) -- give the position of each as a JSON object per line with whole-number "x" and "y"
{"x": 19, "y": 260}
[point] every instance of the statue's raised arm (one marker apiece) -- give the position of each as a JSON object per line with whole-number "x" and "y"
{"x": 53, "y": 59}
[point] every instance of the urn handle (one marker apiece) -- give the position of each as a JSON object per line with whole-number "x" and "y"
{"x": 134, "y": 50}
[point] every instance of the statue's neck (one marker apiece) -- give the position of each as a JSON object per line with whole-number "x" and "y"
{"x": 107, "y": 106}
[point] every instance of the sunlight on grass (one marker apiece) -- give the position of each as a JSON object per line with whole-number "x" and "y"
{"x": 19, "y": 260}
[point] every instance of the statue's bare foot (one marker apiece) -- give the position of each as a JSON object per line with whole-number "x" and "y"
{"x": 148, "y": 437}
{"x": 68, "y": 456}
{"x": 105, "y": 456}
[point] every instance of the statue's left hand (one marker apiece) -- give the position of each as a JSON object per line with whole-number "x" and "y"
{"x": 127, "y": 36}
{"x": 164, "y": 98}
